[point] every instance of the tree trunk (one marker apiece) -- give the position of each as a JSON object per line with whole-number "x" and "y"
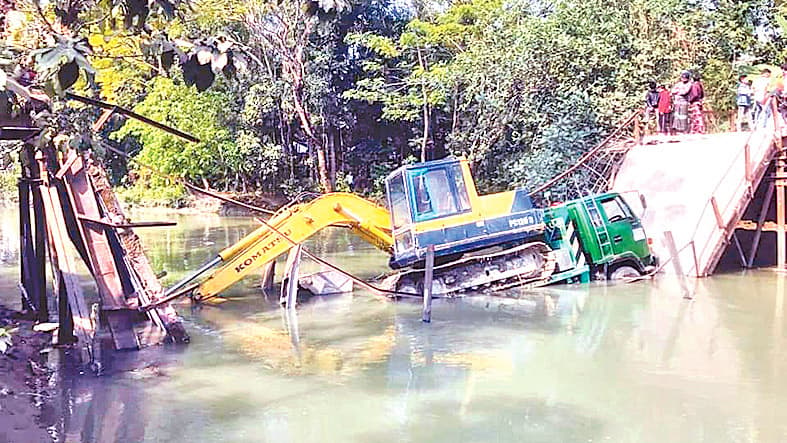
{"x": 425, "y": 96}
{"x": 314, "y": 141}
{"x": 332, "y": 153}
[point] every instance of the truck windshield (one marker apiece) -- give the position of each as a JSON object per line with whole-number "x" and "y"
{"x": 438, "y": 192}
{"x": 397, "y": 200}
{"x": 615, "y": 209}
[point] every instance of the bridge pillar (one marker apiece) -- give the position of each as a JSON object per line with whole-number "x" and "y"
{"x": 780, "y": 182}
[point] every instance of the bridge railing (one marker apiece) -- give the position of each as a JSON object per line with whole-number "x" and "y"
{"x": 721, "y": 217}
{"x": 593, "y": 171}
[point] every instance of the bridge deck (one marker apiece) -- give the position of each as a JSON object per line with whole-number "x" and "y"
{"x": 680, "y": 180}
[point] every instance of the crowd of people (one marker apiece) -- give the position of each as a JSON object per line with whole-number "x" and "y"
{"x": 752, "y": 96}
{"x": 677, "y": 109}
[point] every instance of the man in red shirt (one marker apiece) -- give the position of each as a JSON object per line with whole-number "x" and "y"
{"x": 665, "y": 110}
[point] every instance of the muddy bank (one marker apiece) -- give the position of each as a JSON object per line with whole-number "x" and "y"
{"x": 24, "y": 381}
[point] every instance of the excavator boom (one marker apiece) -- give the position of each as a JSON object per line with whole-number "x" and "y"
{"x": 293, "y": 226}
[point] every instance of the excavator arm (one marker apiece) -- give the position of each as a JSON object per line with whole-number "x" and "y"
{"x": 293, "y": 226}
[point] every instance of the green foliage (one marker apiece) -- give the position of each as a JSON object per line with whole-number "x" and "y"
{"x": 146, "y": 194}
{"x": 121, "y": 76}
{"x": 62, "y": 63}
{"x": 8, "y": 189}
{"x": 202, "y": 115}
{"x": 9, "y": 174}
{"x": 521, "y": 88}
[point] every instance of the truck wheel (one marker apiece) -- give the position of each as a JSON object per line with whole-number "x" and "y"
{"x": 622, "y": 272}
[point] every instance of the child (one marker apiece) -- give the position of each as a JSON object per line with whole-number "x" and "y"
{"x": 665, "y": 110}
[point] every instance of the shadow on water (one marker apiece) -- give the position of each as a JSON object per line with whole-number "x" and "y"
{"x": 86, "y": 408}
{"x": 384, "y": 342}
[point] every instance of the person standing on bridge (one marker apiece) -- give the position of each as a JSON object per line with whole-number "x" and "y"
{"x": 651, "y": 105}
{"x": 744, "y": 101}
{"x": 760, "y": 92}
{"x": 680, "y": 102}
{"x": 665, "y": 111}
{"x": 696, "y": 98}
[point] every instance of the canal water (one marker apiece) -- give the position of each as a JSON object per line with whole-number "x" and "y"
{"x": 619, "y": 363}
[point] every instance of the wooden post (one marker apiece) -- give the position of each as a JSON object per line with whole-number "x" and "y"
{"x": 426, "y": 317}
{"x": 669, "y": 241}
{"x": 289, "y": 290}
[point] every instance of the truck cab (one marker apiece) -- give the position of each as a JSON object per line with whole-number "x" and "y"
{"x": 436, "y": 203}
{"x": 601, "y": 231}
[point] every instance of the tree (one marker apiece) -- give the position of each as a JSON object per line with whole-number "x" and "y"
{"x": 284, "y": 29}
{"x": 203, "y": 115}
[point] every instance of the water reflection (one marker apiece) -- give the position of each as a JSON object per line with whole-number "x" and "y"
{"x": 623, "y": 363}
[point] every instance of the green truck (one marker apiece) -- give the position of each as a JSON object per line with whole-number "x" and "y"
{"x": 597, "y": 237}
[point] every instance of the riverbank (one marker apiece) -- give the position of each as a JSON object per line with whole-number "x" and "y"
{"x": 195, "y": 203}
{"x": 24, "y": 381}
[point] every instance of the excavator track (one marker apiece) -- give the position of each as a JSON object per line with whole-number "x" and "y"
{"x": 530, "y": 264}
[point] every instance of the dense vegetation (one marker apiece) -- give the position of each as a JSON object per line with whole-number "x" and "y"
{"x": 333, "y": 94}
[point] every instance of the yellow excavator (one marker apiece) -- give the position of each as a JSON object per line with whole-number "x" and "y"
{"x": 479, "y": 241}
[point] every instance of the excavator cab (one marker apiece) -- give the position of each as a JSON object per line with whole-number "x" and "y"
{"x": 422, "y": 193}
{"x": 436, "y": 203}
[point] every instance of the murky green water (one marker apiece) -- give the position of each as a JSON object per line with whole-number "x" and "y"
{"x": 626, "y": 363}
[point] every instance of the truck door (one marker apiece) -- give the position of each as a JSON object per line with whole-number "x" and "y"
{"x": 623, "y": 227}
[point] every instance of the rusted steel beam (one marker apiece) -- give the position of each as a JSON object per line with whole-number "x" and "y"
{"x": 103, "y": 119}
{"x": 781, "y": 241}
{"x": 17, "y": 133}
{"x": 739, "y": 248}
{"x": 38, "y": 260}
{"x": 108, "y": 224}
{"x": 68, "y": 281}
{"x": 26, "y": 245}
{"x": 100, "y": 258}
{"x": 131, "y": 258}
{"x": 134, "y": 115}
{"x": 781, "y": 249}
{"x": 72, "y": 157}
